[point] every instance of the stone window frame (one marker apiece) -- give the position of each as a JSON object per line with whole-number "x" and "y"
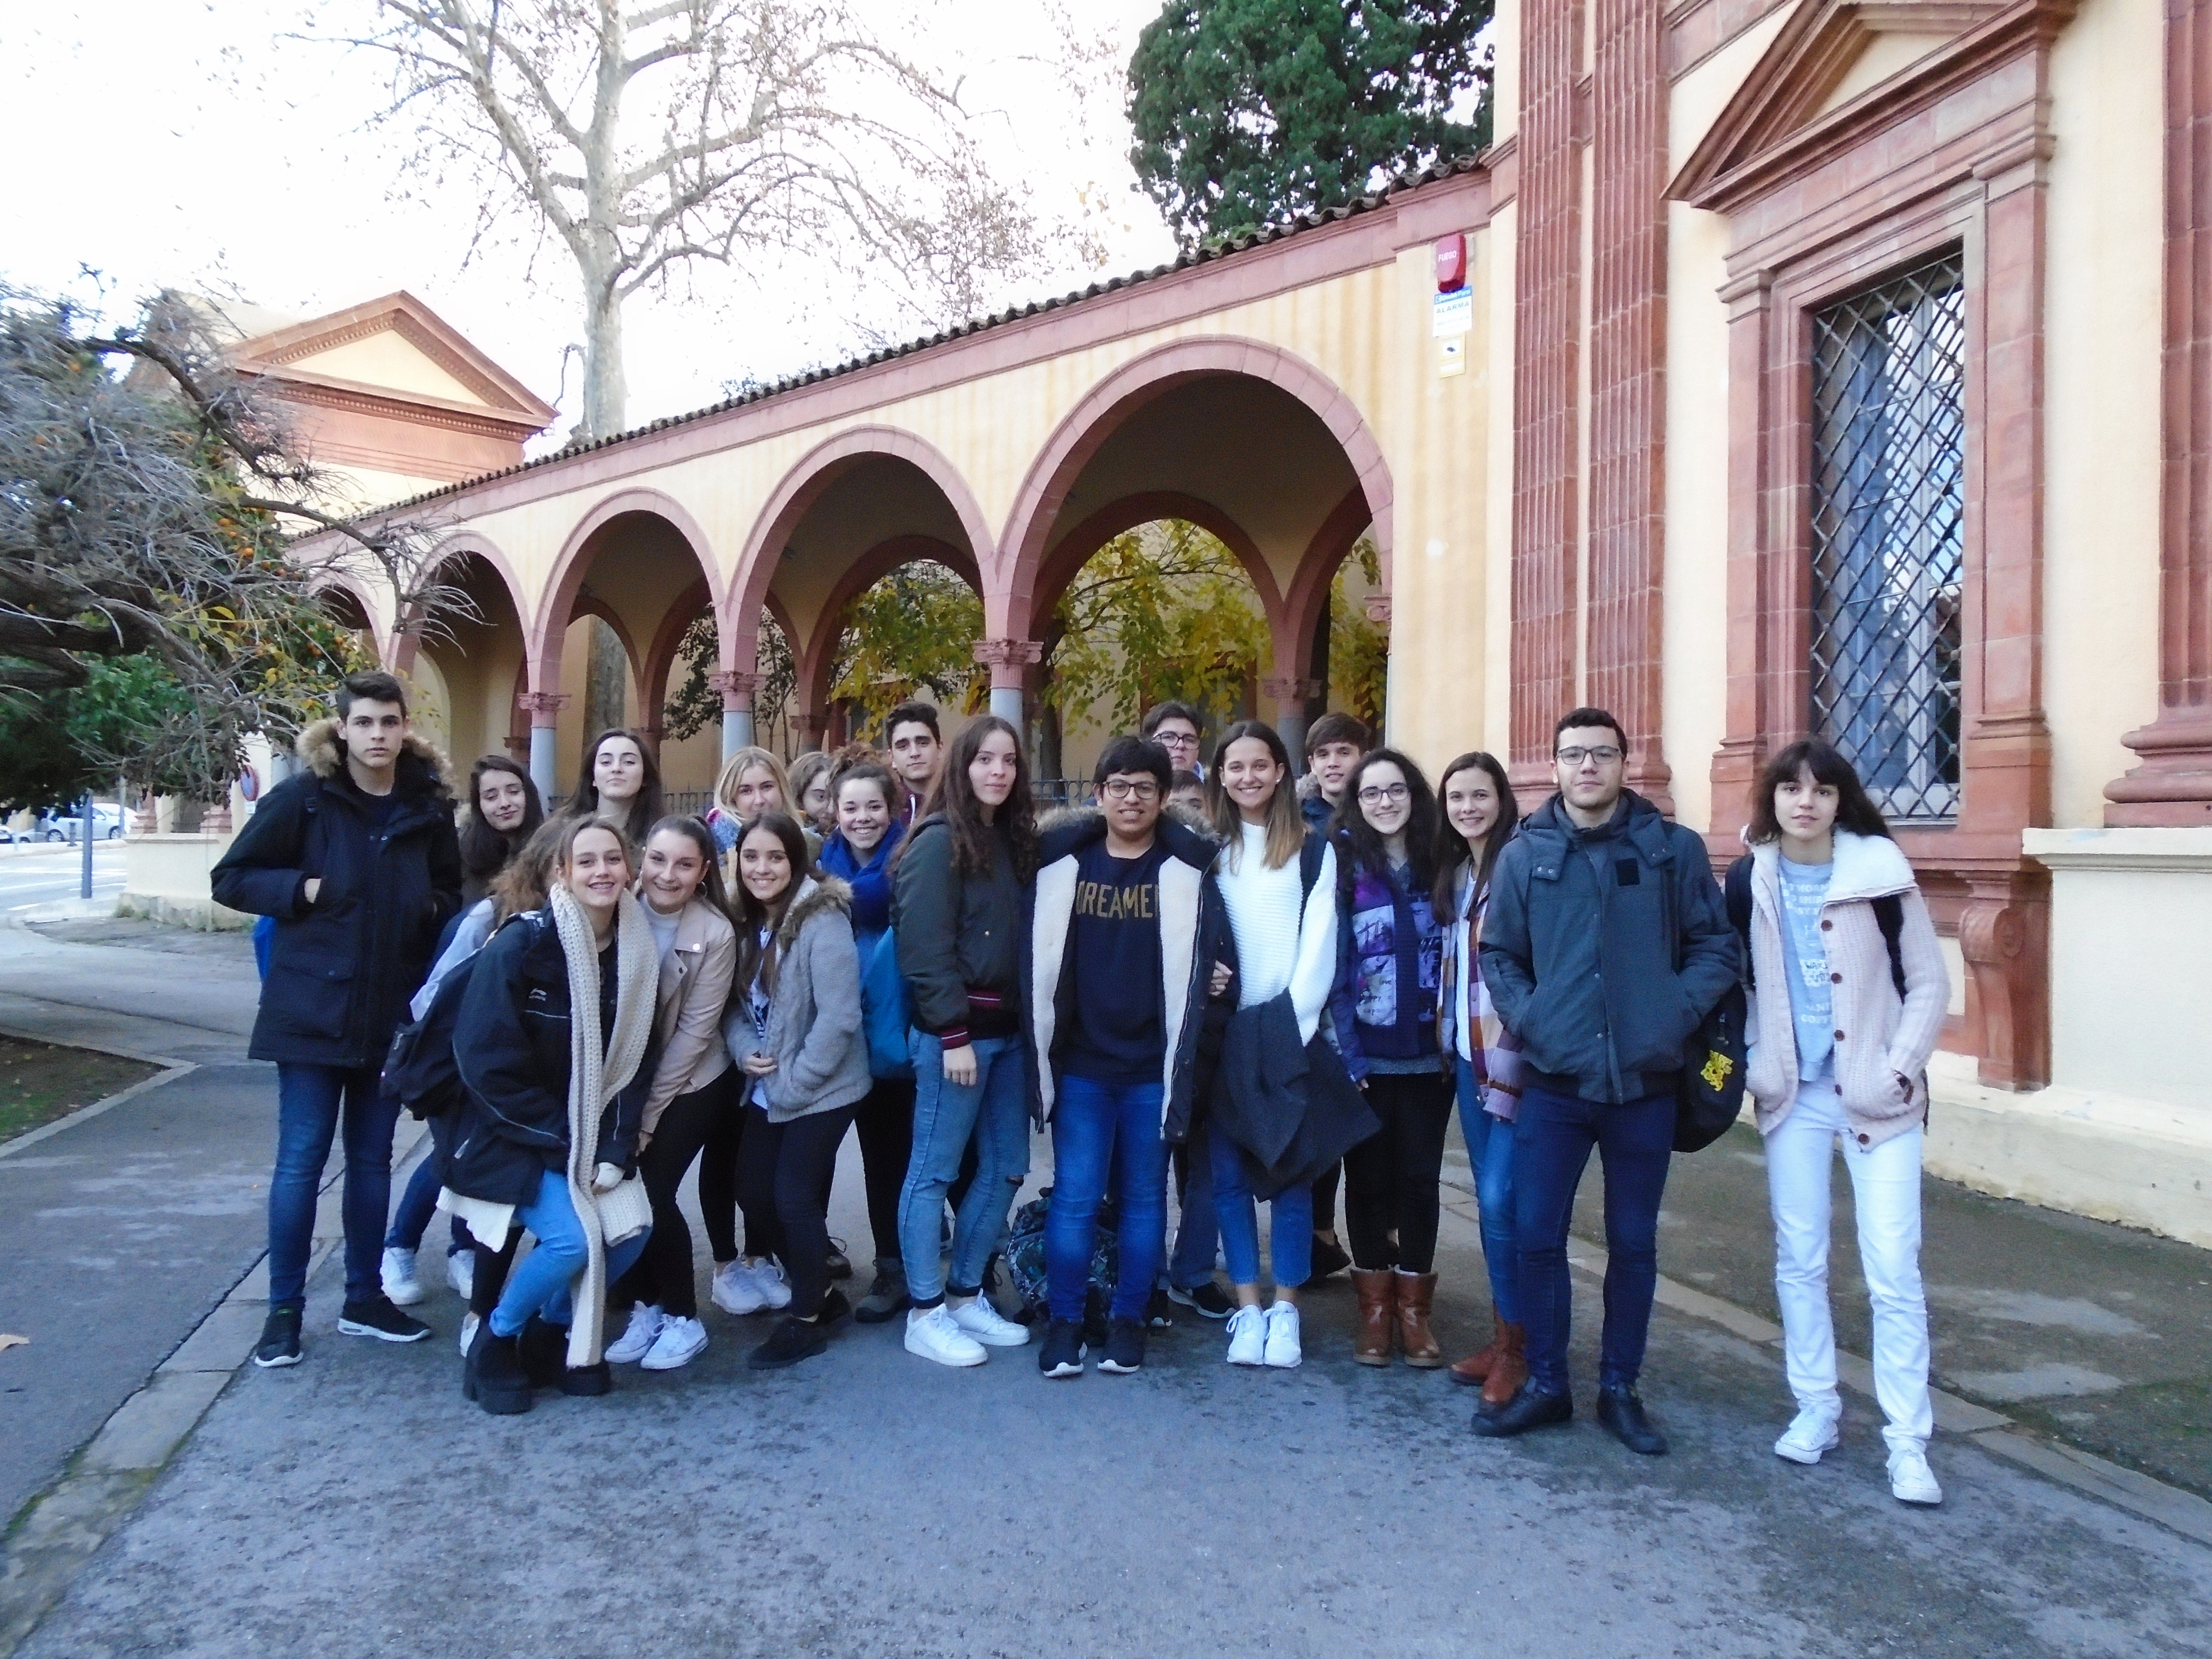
{"x": 1953, "y": 152}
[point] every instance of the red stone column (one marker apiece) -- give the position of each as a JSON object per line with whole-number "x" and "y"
{"x": 1547, "y": 349}
{"x": 1628, "y": 381}
{"x": 2173, "y": 784}
{"x": 1010, "y": 661}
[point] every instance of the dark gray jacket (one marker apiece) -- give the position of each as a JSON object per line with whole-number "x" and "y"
{"x": 1604, "y": 949}
{"x": 959, "y": 937}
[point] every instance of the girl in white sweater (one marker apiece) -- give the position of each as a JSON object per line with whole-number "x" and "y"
{"x": 1848, "y": 991}
{"x": 1285, "y": 941}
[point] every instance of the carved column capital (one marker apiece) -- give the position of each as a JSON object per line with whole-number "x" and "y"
{"x": 1290, "y": 688}
{"x": 1009, "y": 661}
{"x": 736, "y": 688}
{"x": 543, "y": 707}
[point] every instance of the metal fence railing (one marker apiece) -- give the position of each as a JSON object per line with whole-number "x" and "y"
{"x": 691, "y": 802}
{"x": 1060, "y": 792}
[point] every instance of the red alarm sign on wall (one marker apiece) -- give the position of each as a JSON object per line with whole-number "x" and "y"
{"x": 1451, "y": 262}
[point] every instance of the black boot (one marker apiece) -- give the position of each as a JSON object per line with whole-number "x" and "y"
{"x": 544, "y": 1351}
{"x": 1534, "y": 1407}
{"x": 493, "y": 1377}
{"x": 1620, "y": 1413}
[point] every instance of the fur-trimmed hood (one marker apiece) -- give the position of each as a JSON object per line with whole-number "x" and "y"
{"x": 1865, "y": 867}
{"x": 320, "y": 751}
{"x": 820, "y": 894}
{"x": 1066, "y": 831}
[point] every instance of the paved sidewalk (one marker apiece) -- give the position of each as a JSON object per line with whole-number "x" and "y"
{"x": 868, "y": 1503}
{"x": 2094, "y": 1334}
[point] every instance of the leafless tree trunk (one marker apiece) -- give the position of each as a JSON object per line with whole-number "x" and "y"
{"x": 651, "y": 136}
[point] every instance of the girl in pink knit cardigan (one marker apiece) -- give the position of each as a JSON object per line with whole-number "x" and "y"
{"x": 1848, "y": 995}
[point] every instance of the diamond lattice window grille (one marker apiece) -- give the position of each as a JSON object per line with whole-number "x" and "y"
{"x": 1889, "y": 430}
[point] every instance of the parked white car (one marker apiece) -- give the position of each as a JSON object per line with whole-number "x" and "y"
{"x": 106, "y": 825}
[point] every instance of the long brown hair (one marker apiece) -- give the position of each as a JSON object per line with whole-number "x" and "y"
{"x": 1452, "y": 848}
{"x": 486, "y": 851}
{"x": 756, "y": 955}
{"x": 521, "y": 885}
{"x": 1854, "y": 812}
{"x": 712, "y": 888}
{"x": 1286, "y": 825}
{"x": 644, "y": 809}
{"x": 1365, "y": 841}
{"x": 953, "y": 798}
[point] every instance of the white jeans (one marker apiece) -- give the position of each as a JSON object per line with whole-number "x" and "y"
{"x": 1885, "y": 1195}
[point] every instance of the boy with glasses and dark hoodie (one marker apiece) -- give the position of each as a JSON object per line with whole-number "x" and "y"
{"x": 1129, "y": 948}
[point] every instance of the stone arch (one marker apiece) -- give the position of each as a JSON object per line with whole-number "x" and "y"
{"x": 878, "y": 561}
{"x": 1024, "y": 543}
{"x": 804, "y": 485}
{"x": 463, "y": 544}
{"x": 1072, "y": 549}
{"x": 661, "y": 656}
{"x": 1307, "y": 602}
{"x": 373, "y": 606}
{"x": 573, "y": 562}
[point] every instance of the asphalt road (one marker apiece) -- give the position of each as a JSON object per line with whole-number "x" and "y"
{"x": 57, "y": 873}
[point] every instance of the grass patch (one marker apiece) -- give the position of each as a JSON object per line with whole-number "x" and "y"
{"x": 39, "y": 1081}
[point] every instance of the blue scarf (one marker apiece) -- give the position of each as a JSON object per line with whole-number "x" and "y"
{"x": 870, "y": 882}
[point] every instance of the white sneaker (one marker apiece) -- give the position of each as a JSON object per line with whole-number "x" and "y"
{"x": 468, "y": 1333}
{"x": 1810, "y": 1433}
{"x": 461, "y": 1273}
{"x": 982, "y": 1320}
{"x": 735, "y": 1291}
{"x": 680, "y": 1342}
{"x": 633, "y": 1345}
{"x": 1248, "y": 1337}
{"x": 400, "y": 1284}
{"x": 775, "y": 1288}
{"x": 930, "y": 1333}
{"x": 1283, "y": 1350}
{"x": 1910, "y": 1480}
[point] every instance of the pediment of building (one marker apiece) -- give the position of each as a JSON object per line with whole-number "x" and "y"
{"x": 397, "y": 349}
{"x": 1840, "y": 69}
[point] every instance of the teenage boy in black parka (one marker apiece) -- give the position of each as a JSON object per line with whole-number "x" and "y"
{"x": 357, "y": 860}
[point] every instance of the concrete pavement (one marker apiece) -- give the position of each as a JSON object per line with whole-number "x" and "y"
{"x": 40, "y": 874}
{"x": 868, "y": 1502}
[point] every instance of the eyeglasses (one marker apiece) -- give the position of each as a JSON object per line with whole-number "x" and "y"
{"x": 1128, "y": 789}
{"x": 1375, "y": 795}
{"x": 1605, "y": 754}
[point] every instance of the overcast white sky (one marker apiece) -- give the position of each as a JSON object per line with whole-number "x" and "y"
{"x": 183, "y": 143}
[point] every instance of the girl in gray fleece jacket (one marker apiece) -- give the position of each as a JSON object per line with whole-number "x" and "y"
{"x": 794, "y": 1026}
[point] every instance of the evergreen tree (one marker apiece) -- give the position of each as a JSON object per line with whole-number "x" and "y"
{"x": 1249, "y": 111}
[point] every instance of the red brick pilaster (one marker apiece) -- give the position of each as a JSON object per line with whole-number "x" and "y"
{"x": 2173, "y": 784}
{"x": 1628, "y": 385}
{"x": 1548, "y": 346}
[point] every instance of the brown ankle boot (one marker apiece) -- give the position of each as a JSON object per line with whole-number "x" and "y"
{"x": 1377, "y": 1301}
{"x": 1417, "y": 1293}
{"x": 1474, "y": 1369}
{"x": 1511, "y": 1369}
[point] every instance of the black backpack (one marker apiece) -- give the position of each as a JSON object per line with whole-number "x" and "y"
{"x": 1888, "y": 914}
{"x": 419, "y": 1071}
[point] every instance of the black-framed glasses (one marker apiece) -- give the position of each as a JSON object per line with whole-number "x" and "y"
{"x": 1376, "y": 793}
{"x": 1129, "y": 789}
{"x": 1604, "y": 754}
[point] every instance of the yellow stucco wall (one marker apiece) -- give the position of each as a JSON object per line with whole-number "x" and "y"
{"x": 2101, "y": 408}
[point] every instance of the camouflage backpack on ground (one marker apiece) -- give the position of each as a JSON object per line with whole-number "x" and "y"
{"x": 1025, "y": 1265}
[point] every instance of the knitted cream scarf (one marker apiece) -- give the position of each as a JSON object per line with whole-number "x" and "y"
{"x": 592, "y": 1084}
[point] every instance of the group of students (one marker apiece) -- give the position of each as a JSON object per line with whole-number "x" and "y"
{"x": 1219, "y": 973}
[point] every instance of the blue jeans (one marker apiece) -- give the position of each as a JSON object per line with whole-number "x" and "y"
{"x": 311, "y": 1101}
{"x": 1290, "y": 1213}
{"x": 539, "y": 1284}
{"x": 994, "y": 1112}
{"x": 1490, "y": 1150}
{"x": 418, "y": 1204}
{"x": 1552, "y": 1137}
{"x": 1198, "y": 1235}
{"x": 1098, "y": 1129}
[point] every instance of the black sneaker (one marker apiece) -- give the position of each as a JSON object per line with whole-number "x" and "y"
{"x": 1062, "y": 1353}
{"x": 1159, "y": 1312}
{"x": 1125, "y": 1347}
{"x": 1207, "y": 1299}
{"x": 377, "y": 1317}
{"x": 1532, "y": 1407}
{"x": 1620, "y": 1413}
{"x": 1328, "y": 1257}
{"x": 841, "y": 1265}
{"x": 791, "y": 1341}
{"x": 280, "y": 1340}
{"x": 836, "y": 1310}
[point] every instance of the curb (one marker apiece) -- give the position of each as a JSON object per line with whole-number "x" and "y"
{"x": 54, "y": 1536}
